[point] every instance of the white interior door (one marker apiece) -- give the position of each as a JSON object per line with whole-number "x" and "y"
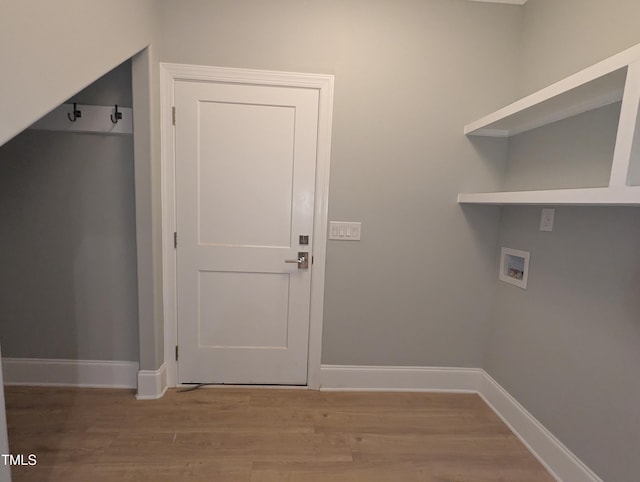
{"x": 245, "y": 176}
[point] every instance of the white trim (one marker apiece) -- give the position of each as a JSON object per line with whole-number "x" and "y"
{"x": 561, "y": 463}
{"x": 553, "y": 454}
{"x": 320, "y": 230}
{"x": 169, "y": 74}
{"x": 152, "y": 384}
{"x": 592, "y": 196}
{"x": 509, "y": 2}
{"x": 70, "y": 373}
{"x": 399, "y": 379}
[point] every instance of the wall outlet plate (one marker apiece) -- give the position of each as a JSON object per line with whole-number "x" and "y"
{"x": 546, "y": 219}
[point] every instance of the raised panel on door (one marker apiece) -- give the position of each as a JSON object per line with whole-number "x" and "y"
{"x": 252, "y": 146}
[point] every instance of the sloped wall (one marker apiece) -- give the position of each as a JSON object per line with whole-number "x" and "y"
{"x": 51, "y": 50}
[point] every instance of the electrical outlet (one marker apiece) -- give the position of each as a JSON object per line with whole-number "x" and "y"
{"x": 546, "y": 219}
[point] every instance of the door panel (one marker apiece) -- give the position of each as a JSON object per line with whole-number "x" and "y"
{"x": 228, "y": 320}
{"x": 245, "y": 177}
{"x": 261, "y": 214}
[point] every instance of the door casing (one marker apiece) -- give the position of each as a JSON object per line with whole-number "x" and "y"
{"x": 171, "y": 73}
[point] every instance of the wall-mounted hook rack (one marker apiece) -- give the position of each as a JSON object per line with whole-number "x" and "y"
{"x": 100, "y": 119}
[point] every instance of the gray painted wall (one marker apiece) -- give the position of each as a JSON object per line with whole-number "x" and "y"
{"x": 561, "y": 37}
{"x": 68, "y": 239}
{"x": 575, "y": 152}
{"x": 408, "y": 75}
{"x": 568, "y": 347}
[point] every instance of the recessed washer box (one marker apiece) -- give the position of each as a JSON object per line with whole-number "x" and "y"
{"x": 514, "y": 267}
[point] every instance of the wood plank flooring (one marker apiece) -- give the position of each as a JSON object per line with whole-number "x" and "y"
{"x": 262, "y": 435}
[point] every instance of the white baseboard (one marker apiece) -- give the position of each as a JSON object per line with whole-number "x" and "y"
{"x": 393, "y": 379}
{"x": 152, "y": 384}
{"x": 552, "y": 453}
{"x": 557, "y": 459}
{"x": 71, "y": 373}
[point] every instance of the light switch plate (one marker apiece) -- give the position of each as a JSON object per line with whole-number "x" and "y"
{"x": 546, "y": 219}
{"x": 345, "y": 230}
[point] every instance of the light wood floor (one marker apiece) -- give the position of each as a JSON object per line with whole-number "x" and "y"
{"x": 231, "y": 434}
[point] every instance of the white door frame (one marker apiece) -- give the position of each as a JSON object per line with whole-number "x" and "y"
{"x": 169, "y": 75}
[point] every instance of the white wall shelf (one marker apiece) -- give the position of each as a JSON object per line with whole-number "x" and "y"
{"x": 94, "y": 119}
{"x": 616, "y": 79}
{"x": 603, "y": 196}
{"x": 574, "y": 95}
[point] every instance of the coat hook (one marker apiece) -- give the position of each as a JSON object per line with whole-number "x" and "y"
{"x": 117, "y": 117}
{"x": 76, "y": 113}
